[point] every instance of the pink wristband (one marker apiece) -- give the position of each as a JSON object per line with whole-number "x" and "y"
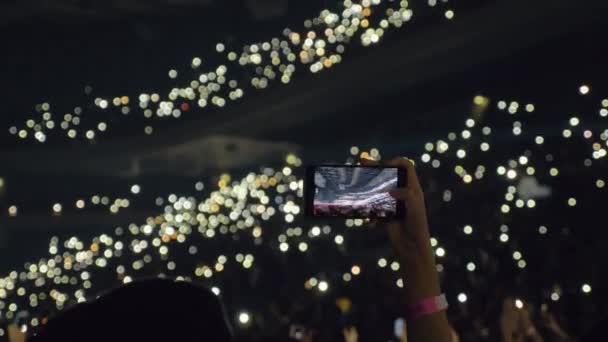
{"x": 427, "y": 306}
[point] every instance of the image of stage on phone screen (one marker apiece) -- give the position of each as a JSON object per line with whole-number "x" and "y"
{"x": 354, "y": 191}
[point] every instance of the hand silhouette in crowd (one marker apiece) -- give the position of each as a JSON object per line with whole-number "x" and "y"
{"x": 350, "y": 334}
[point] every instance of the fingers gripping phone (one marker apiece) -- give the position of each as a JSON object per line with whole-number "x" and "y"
{"x": 353, "y": 191}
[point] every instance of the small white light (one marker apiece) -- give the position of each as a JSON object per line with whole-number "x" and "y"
{"x": 586, "y": 288}
{"x": 519, "y": 304}
{"x": 135, "y": 189}
{"x": 517, "y": 255}
{"x": 468, "y": 230}
{"x": 323, "y": 286}
{"x": 462, "y": 297}
{"x": 244, "y": 318}
{"x": 440, "y": 252}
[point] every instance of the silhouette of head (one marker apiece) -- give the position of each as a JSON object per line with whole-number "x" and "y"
{"x": 149, "y": 310}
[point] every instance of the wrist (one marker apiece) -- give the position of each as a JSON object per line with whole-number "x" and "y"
{"x": 426, "y": 306}
{"x": 420, "y": 281}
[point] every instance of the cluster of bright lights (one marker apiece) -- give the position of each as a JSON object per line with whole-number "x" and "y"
{"x": 247, "y": 206}
{"x": 319, "y": 46}
{"x": 519, "y": 173}
{"x": 236, "y": 207}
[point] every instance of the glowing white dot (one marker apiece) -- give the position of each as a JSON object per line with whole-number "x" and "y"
{"x": 523, "y": 160}
{"x": 323, "y": 286}
{"x": 244, "y": 318}
{"x": 542, "y": 230}
{"x": 531, "y": 203}
{"x": 555, "y": 296}
{"x": 395, "y": 266}
{"x": 471, "y": 267}
{"x": 584, "y": 89}
{"x": 574, "y": 121}
{"x": 572, "y": 201}
{"x": 517, "y": 255}
{"x": 440, "y": 252}
{"x": 511, "y": 174}
{"x": 135, "y": 189}
{"x": 586, "y": 288}
{"x": 57, "y": 208}
{"x": 529, "y": 108}
{"x": 462, "y": 297}
{"x": 339, "y": 239}
{"x": 519, "y": 304}
{"x": 504, "y": 238}
{"x": 215, "y": 290}
{"x": 468, "y": 230}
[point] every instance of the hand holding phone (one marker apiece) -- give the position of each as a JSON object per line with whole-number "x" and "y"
{"x": 410, "y": 238}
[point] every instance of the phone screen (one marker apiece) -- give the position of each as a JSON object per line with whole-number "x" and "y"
{"x": 353, "y": 191}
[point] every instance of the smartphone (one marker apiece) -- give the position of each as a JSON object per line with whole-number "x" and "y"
{"x": 353, "y": 191}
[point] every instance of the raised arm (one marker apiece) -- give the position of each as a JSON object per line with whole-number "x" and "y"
{"x": 410, "y": 239}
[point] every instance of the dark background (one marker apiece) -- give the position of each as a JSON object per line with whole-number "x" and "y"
{"x": 413, "y": 88}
